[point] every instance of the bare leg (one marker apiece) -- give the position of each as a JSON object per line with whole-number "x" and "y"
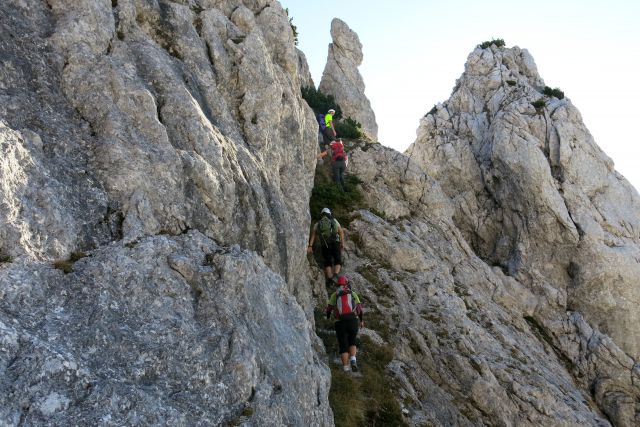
{"x": 345, "y": 358}
{"x": 352, "y": 352}
{"x": 328, "y": 272}
{"x": 336, "y": 269}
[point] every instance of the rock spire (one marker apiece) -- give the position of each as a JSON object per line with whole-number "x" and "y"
{"x": 342, "y": 79}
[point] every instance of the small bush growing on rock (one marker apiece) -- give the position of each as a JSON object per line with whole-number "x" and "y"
{"x": 539, "y": 104}
{"x": 294, "y": 29}
{"x": 556, "y": 92}
{"x": 319, "y": 102}
{"x": 349, "y": 128}
{"x": 488, "y": 43}
{"x": 5, "y": 259}
{"x": 326, "y": 193}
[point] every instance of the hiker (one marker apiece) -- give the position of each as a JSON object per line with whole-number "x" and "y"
{"x": 326, "y": 126}
{"x": 347, "y": 309}
{"x": 331, "y": 238}
{"x": 339, "y": 161}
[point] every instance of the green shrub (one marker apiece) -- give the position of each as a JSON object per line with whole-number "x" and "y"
{"x": 556, "y": 92}
{"x": 327, "y": 194}
{"x": 294, "y": 29}
{"x": 348, "y": 128}
{"x": 5, "y": 258}
{"x": 488, "y": 43}
{"x": 539, "y": 104}
{"x": 319, "y": 102}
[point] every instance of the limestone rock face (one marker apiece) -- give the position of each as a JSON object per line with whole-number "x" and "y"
{"x": 534, "y": 194}
{"x": 342, "y": 79}
{"x": 169, "y": 143}
{"x": 205, "y": 335}
{"x": 471, "y": 345}
{"x": 306, "y": 80}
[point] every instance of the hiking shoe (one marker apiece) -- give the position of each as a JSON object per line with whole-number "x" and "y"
{"x": 346, "y": 368}
{"x": 354, "y": 366}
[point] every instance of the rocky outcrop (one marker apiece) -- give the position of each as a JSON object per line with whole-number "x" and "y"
{"x": 533, "y": 192}
{"x": 306, "y": 80}
{"x": 168, "y": 144}
{"x": 472, "y": 345}
{"x": 169, "y": 331}
{"x": 342, "y": 79}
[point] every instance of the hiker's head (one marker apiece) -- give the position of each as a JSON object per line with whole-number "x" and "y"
{"x": 332, "y": 111}
{"x": 342, "y": 281}
{"x": 326, "y": 212}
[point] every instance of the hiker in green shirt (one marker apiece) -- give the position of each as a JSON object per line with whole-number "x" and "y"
{"x": 331, "y": 238}
{"x": 346, "y": 307}
{"x": 329, "y": 132}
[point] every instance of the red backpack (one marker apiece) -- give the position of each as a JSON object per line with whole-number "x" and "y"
{"x": 337, "y": 151}
{"x": 345, "y": 304}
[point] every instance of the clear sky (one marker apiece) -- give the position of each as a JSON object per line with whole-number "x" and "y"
{"x": 414, "y": 50}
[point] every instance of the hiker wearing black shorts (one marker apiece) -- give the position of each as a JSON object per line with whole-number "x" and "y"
{"x": 329, "y": 132}
{"x": 347, "y": 309}
{"x": 331, "y": 238}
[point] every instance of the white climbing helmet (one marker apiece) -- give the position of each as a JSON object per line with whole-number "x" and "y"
{"x": 325, "y": 211}
{"x": 332, "y": 111}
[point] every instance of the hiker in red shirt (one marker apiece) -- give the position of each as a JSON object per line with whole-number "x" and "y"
{"x": 339, "y": 161}
{"x": 347, "y": 309}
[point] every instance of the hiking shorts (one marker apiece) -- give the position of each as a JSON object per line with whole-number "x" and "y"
{"x": 331, "y": 254}
{"x": 346, "y": 332}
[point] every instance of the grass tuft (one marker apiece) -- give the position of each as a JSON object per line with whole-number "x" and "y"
{"x": 539, "y": 104}
{"x": 556, "y": 92}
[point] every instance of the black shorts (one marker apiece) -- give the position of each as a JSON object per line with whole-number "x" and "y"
{"x": 331, "y": 254}
{"x": 346, "y": 332}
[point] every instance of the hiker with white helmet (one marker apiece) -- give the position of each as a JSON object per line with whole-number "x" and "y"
{"x": 346, "y": 307}
{"x": 331, "y": 238}
{"x": 328, "y": 130}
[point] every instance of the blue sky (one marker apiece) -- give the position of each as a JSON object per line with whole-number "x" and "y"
{"x": 415, "y": 50}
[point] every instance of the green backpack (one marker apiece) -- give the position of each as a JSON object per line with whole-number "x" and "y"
{"x": 328, "y": 230}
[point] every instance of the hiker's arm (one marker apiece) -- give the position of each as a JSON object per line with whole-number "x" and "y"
{"x": 331, "y": 305}
{"x": 323, "y": 153}
{"x": 359, "y": 309}
{"x": 311, "y": 240}
{"x": 328, "y": 311}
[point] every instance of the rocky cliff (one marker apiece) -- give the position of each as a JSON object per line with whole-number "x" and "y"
{"x": 157, "y": 167}
{"x": 342, "y": 79}
{"x": 162, "y": 146}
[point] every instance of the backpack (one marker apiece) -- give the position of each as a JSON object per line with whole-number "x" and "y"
{"x": 328, "y": 229}
{"x": 345, "y": 303}
{"x": 321, "y": 123}
{"x": 337, "y": 151}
